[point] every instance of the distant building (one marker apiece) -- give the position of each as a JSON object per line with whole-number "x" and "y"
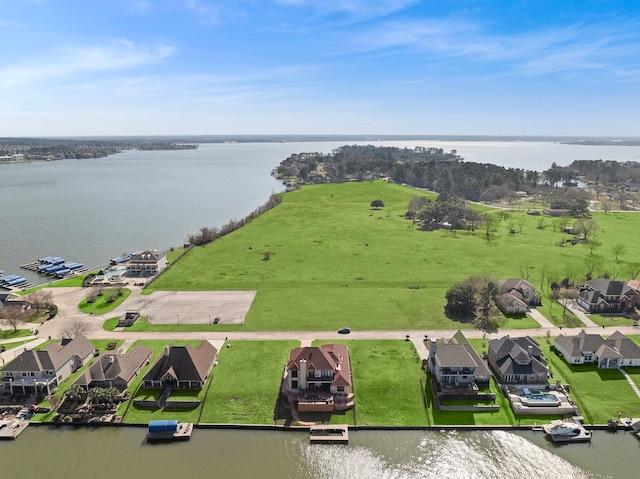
{"x": 607, "y": 296}
{"x": 515, "y": 296}
{"x": 146, "y": 264}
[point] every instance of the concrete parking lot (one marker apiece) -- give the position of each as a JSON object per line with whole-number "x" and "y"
{"x": 194, "y": 307}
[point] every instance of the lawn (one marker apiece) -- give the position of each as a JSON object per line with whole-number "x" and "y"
{"x": 325, "y": 256}
{"x": 246, "y": 382}
{"x": 610, "y": 320}
{"x": 386, "y": 381}
{"x": 109, "y": 300}
{"x": 14, "y": 333}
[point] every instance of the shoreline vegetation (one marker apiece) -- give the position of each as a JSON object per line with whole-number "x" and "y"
{"x": 326, "y": 255}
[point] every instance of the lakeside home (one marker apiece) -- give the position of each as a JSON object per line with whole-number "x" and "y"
{"x": 319, "y": 378}
{"x": 182, "y": 367}
{"x": 39, "y": 371}
{"x": 614, "y": 352}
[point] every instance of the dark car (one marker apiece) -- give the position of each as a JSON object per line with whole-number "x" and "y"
{"x": 344, "y": 331}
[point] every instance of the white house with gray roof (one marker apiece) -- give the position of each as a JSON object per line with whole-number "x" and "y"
{"x": 35, "y": 371}
{"x": 614, "y": 352}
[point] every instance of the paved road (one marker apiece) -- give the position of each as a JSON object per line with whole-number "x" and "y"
{"x": 67, "y": 300}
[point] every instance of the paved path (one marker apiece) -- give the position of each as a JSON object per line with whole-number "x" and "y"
{"x": 540, "y": 319}
{"x": 575, "y": 309}
{"x": 421, "y": 348}
{"x": 630, "y": 381}
{"x": 67, "y": 300}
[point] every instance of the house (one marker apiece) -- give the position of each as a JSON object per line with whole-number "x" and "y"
{"x": 319, "y": 378}
{"x": 515, "y": 296}
{"x": 146, "y": 264}
{"x": 11, "y": 300}
{"x": 607, "y": 296}
{"x": 454, "y": 363}
{"x": 34, "y": 372}
{"x": 615, "y": 351}
{"x": 115, "y": 370}
{"x": 128, "y": 318}
{"x": 181, "y": 367}
{"x": 517, "y": 360}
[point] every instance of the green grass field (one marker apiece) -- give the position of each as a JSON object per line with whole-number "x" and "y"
{"x": 102, "y": 305}
{"x": 333, "y": 261}
{"x": 246, "y": 382}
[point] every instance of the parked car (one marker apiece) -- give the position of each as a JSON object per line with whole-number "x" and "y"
{"x": 344, "y": 331}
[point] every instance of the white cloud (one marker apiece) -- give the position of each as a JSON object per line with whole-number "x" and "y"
{"x": 69, "y": 62}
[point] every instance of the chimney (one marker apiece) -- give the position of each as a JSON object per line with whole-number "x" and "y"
{"x": 432, "y": 352}
{"x": 166, "y": 350}
{"x": 530, "y": 351}
{"x": 302, "y": 379}
{"x": 111, "y": 359}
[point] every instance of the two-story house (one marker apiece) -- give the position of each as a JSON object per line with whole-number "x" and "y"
{"x": 41, "y": 371}
{"x": 455, "y": 364}
{"x": 319, "y": 378}
{"x": 607, "y": 296}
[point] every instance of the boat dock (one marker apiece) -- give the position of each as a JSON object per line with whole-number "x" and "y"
{"x": 55, "y": 266}
{"x": 329, "y": 434}
{"x": 162, "y": 430}
{"x": 12, "y": 428}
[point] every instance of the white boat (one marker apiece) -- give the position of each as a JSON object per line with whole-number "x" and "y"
{"x": 565, "y": 431}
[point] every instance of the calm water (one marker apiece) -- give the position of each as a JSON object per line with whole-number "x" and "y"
{"x": 89, "y": 211}
{"x": 99, "y": 453}
{"x": 92, "y": 210}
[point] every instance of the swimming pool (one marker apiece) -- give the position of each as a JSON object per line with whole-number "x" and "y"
{"x": 537, "y": 398}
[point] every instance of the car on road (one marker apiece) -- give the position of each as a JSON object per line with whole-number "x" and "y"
{"x": 344, "y": 331}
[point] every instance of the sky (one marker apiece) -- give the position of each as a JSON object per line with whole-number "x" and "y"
{"x": 396, "y": 67}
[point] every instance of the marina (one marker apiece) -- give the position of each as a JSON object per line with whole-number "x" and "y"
{"x": 55, "y": 266}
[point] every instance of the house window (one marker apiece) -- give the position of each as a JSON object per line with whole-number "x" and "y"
{"x": 294, "y": 373}
{"x": 340, "y": 388}
{"x": 294, "y": 384}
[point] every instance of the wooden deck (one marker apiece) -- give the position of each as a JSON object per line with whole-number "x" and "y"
{"x": 12, "y": 428}
{"x": 329, "y": 434}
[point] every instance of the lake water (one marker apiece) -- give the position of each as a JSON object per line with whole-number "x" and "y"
{"x": 92, "y": 210}
{"x": 105, "y": 452}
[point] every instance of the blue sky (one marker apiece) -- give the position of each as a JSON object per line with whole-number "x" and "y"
{"x": 133, "y": 67}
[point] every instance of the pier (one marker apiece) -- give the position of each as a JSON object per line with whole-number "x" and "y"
{"x": 329, "y": 434}
{"x": 12, "y": 428}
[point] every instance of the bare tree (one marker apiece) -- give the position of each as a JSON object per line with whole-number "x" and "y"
{"x": 40, "y": 299}
{"x": 76, "y": 327}
{"x": 618, "y": 250}
{"x": 525, "y": 271}
{"x": 633, "y": 269}
{"x": 12, "y": 315}
{"x": 591, "y": 262}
